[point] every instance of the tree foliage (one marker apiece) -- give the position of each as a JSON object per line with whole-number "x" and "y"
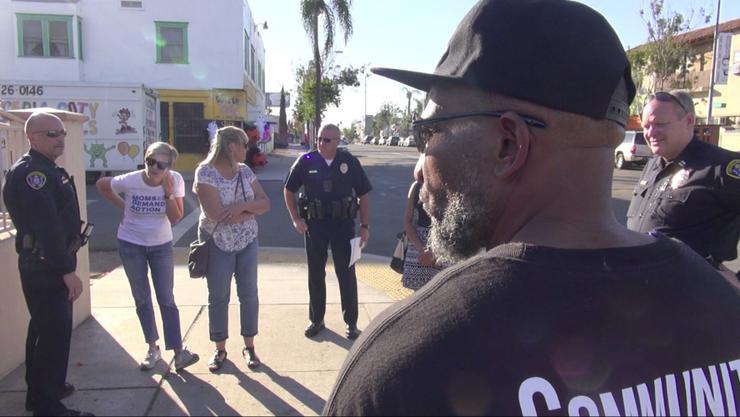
{"x": 390, "y": 115}
{"x": 334, "y": 79}
{"x": 333, "y": 12}
{"x": 665, "y": 53}
{"x": 282, "y": 119}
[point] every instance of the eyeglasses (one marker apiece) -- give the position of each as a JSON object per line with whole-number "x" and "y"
{"x": 424, "y": 129}
{"x": 161, "y": 165}
{"x": 665, "y": 96}
{"x": 325, "y": 140}
{"x": 53, "y": 133}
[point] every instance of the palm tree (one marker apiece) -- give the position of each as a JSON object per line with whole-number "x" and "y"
{"x": 333, "y": 11}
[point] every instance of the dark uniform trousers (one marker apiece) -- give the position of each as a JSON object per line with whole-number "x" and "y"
{"x": 42, "y": 201}
{"x": 322, "y": 234}
{"x": 49, "y": 336}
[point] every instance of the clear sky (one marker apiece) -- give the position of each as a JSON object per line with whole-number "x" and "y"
{"x": 413, "y": 34}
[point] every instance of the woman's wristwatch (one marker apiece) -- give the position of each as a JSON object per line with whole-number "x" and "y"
{"x": 365, "y": 226}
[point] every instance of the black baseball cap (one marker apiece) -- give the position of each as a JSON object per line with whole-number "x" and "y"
{"x": 556, "y": 53}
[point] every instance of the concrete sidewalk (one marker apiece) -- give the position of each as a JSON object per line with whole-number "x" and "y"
{"x": 296, "y": 376}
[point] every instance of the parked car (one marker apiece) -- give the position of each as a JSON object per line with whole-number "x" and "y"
{"x": 392, "y": 141}
{"x": 376, "y": 141}
{"x": 381, "y": 141}
{"x": 343, "y": 143}
{"x": 409, "y": 141}
{"x": 367, "y": 139}
{"x": 633, "y": 150}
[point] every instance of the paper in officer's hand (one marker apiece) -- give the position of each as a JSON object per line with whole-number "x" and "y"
{"x": 356, "y": 250}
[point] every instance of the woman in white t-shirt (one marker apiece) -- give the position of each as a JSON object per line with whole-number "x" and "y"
{"x": 151, "y": 204}
{"x": 230, "y": 197}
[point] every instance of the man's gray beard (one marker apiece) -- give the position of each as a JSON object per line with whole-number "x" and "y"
{"x": 458, "y": 234}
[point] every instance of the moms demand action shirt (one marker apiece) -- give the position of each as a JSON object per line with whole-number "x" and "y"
{"x": 145, "y": 219}
{"x": 532, "y": 330}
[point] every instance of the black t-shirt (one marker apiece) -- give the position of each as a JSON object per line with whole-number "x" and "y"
{"x": 533, "y": 330}
{"x": 328, "y": 182}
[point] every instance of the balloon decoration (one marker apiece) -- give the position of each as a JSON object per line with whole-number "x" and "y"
{"x": 123, "y": 148}
{"x": 133, "y": 150}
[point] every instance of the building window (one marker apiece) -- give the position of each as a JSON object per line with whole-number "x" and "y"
{"x": 191, "y": 135}
{"x": 251, "y": 60}
{"x": 246, "y": 51}
{"x": 172, "y": 42}
{"x": 132, "y": 4}
{"x": 45, "y": 35}
{"x": 164, "y": 121}
{"x": 79, "y": 37}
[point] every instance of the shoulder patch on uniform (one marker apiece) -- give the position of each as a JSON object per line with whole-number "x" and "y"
{"x": 36, "y": 180}
{"x": 733, "y": 169}
{"x": 344, "y": 168}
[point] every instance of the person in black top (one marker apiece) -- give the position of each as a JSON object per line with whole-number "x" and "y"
{"x": 691, "y": 190}
{"x": 335, "y": 187}
{"x": 42, "y": 201}
{"x": 568, "y": 312}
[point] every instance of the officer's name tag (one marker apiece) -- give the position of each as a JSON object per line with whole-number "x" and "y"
{"x": 313, "y": 171}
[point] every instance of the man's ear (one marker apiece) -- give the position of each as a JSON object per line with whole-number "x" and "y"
{"x": 513, "y": 146}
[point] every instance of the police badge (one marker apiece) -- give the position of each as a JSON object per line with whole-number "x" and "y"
{"x": 36, "y": 180}
{"x": 680, "y": 178}
{"x": 344, "y": 168}
{"x": 733, "y": 169}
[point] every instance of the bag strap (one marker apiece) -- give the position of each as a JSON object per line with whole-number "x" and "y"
{"x": 236, "y": 191}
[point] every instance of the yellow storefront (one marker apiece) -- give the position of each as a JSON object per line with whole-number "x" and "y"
{"x": 185, "y": 115}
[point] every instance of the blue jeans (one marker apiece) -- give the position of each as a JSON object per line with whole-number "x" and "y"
{"x": 242, "y": 265}
{"x": 159, "y": 259}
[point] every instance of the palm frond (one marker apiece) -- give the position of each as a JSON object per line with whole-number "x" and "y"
{"x": 344, "y": 16}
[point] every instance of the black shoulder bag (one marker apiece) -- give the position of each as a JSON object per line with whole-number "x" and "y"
{"x": 198, "y": 255}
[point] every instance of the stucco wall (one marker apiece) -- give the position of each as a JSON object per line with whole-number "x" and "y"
{"x": 13, "y": 309}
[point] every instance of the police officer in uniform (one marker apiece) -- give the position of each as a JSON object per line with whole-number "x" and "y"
{"x": 691, "y": 189}
{"x": 325, "y": 216}
{"x": 42, "y": 201}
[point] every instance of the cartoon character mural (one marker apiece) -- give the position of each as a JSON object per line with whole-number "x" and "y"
{"x": 97, "y": 151}
{"x": 123, "y": 115}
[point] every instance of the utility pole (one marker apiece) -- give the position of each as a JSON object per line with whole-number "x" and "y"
{"x": 714, "y": 66}
{"x": 364, "y": 116}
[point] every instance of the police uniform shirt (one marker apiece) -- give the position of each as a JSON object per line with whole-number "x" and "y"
{"x": 42, "y": 201}
{"x": 695, "y": 198}
{"x": 328, "y": 182}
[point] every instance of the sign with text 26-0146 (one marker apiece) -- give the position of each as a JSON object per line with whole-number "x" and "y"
{"x": 122, "y": 121}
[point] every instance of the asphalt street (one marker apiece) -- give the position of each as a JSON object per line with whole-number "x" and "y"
{"x": 390, "y": 172}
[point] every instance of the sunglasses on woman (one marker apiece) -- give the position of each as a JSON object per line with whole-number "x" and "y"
{"x": 161, "y": 165}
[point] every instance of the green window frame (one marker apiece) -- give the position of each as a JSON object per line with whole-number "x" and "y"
{"x": 162, "y": 56}
{"x": 246, "y": 51}
{"x": 79, "y": 37}
{"x": 46, "y": 39}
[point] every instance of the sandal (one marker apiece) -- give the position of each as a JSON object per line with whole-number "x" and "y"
{"x": 217, "y": 361}
{"x": 252, "y": 360}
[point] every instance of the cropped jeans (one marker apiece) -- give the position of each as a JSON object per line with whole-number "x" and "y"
{"x": 136, "y": 259}
{"x": 242, "y": 265}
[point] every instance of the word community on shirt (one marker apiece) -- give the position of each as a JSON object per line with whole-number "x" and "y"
{"x": 696, "y": 392}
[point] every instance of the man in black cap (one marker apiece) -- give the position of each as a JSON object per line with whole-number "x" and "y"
{"x": 691, "y": 191}
{"x": 568, "y": 311}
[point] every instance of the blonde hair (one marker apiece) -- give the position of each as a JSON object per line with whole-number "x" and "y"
{"x": 162, "y": 148}
{"x": 224, "y": 137}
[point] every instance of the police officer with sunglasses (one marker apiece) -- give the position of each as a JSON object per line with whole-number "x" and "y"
{"x": 42, "y": 200}
{"x": 335, "y": 187}
{"x": 691, "y": 189}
